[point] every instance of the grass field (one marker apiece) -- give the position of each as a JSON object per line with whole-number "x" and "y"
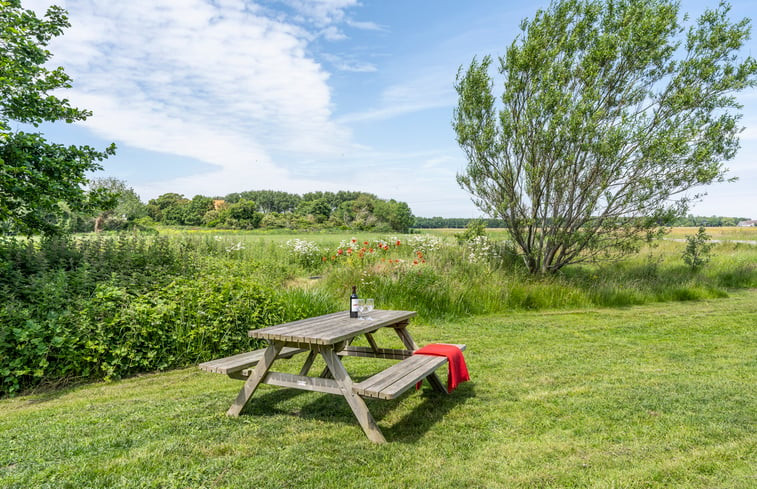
{"x": 657, "y": 395}
{"x": 720, "y": 233}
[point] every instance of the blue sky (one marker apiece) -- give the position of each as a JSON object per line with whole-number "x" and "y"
{"x": 217, "y": 96}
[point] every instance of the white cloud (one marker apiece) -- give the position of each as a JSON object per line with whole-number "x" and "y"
{"x": 430, "y": 91}
{"x": 223, "y": 82}
{"x": 344, "y": 64}
{"x": 365, "y": 25}
{"x": 320, "y": 12}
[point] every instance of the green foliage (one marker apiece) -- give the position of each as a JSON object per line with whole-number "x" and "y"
{"x": 71, "y": 305}
{"x": 698, "y": 249}
{"x": 110, "y": 307}
{"x": 474, "y": 229}
{"x": 453, "y": 222}
{"x": 611, "y": 111}
{"x": 36, "y": 175}
{"x": 278, "y": 210}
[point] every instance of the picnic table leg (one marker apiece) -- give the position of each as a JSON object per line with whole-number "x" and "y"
{"x": 252, "y": 383}
{"x": 308, "y": 363}
{"x": 410, "y": 344}
{"x": 357, "y": 404}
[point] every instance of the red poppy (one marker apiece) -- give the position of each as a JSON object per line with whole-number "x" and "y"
{"x": 398, "y": 242}
{"x": 349, "y": 251}
{"x": 339, "y": 251}
{"x": 354, "y": 240}
{"x": 415, "y": 262}
{"x": 423, "y": 261}
{"x": 365, "y": 242}
{"x": 323, "y": 258}
{"x": 371, "y": 250}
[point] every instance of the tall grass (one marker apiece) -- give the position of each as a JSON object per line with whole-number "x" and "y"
{"x": 448, "y": 285}
{"x": 107, "y": 307}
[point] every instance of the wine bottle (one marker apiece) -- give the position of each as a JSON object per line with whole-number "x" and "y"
{"x": 353, "y": 302}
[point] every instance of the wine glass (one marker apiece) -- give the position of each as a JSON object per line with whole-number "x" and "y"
{"x": 368, "y": 307}
{"x": 360, "y": 308}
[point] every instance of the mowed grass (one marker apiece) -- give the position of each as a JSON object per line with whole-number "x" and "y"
{"x": 660, "y": 395}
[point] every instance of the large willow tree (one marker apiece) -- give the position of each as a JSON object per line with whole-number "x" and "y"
{"x": 612, "y": 112}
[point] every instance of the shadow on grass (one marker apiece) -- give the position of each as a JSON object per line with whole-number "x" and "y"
{"x": 334, "y": 409}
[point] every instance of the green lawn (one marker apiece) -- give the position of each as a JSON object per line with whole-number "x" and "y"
{"x": 661, "y": 395}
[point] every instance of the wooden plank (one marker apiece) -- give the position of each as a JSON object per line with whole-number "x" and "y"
{"x": 392, "y": 382}
{"x": 356, "y": 403}
{"x": 412, "y": 378}
{"x": 387, "y": 353}
{"x": 241, "y": 361}
{"x": 410, "y": 343}
{"x": 252, "y": 383}
{"x": 315, "y": 384}
{"x": 371, "y": 341}
{"x": 293, "y": 330}
{"x": 287, "y": 329}
{"x": 398, "y": 370}
{"x": 308, "y": 363}
{"x": 330, "y": 329}
{"x": 354, "y": 330}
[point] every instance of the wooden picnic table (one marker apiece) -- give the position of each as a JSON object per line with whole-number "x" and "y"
{"x": 330, "y": 336}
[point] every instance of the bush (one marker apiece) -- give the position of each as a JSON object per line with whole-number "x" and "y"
{"x": 698, "y": 248}
{"x": 110, "y": 307}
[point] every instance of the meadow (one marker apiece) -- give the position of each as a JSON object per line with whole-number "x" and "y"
{"x": 104, "y": 307}
{"x": 639, "y": 373}
{"x": 651, "y": 396}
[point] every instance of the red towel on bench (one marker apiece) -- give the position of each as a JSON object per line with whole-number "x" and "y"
{"x": 458, "y": 371}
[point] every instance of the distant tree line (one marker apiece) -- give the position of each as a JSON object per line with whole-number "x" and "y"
{"x": 462, "y": 222}
{"x": 454, "y": 222}
{"x": 271, "y": 209}
{"x": 712, "y": 221}
{"x": 251, "y": 209}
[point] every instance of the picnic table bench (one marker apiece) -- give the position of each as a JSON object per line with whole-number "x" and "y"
{"x": 330, "y": 336}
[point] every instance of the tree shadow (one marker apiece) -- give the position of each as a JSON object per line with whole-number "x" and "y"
{"x": 334, "y": 409}
{"x": 432, "y": 410}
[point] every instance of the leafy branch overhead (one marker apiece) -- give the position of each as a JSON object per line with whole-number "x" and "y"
{"x": 36, "y": 175}
{"x": 612, "y": 112}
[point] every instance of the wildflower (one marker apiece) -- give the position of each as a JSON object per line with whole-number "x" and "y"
{"x": 365, "y": 242}
{"x": 235, "y": 247}
{"x": 354, "y": 240}
{"x": 339, "y": 251}
{"x": 370, "y": 250}
{"x": 398, "y": 242}
{"x": 349, "y": 251}
{"x": 323, "y": 258}
{"x": 415, "y": 262}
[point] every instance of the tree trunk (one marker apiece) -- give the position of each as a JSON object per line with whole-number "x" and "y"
{"x": 99, "y": 223}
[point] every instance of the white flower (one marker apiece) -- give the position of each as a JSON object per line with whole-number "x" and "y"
{"x": 480, "y": 249}
{"x": 236, "y": 247}
{"x": 425, "y": 243}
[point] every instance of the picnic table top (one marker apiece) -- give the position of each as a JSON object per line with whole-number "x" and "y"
{"x": 330, "y": 328}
